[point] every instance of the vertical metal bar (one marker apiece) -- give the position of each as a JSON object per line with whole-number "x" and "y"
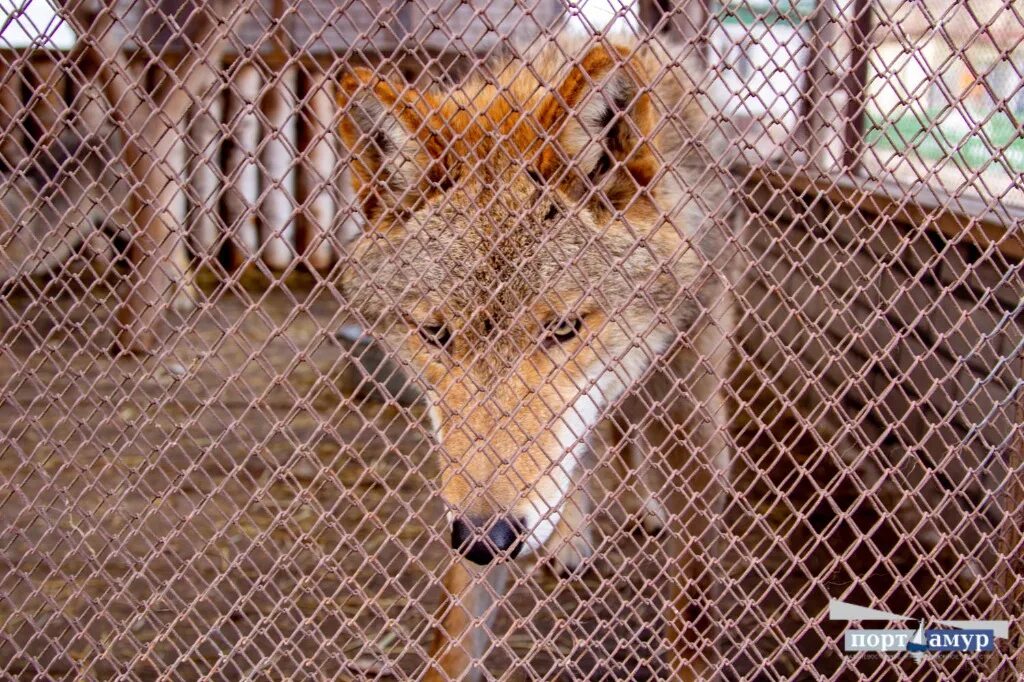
{"x": 855, "y": 84}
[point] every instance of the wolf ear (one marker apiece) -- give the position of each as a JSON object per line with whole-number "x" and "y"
{"x": 608, "y": 116}
{"x": 383, "y": 130}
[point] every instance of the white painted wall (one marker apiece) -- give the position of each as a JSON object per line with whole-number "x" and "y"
{"x": 899, "y": 78}
{"x": 761, "y": 70}
{"x": 614, "y": 16}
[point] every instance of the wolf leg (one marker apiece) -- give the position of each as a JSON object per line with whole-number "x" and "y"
{"x": 642, "y": 485}
{"x": 699, "y": 464}
{"x": 648, "y": 485}
{"x": 465, "y": 615}
{"x": 573, "y": 539}
{"x": 693, "y": 625}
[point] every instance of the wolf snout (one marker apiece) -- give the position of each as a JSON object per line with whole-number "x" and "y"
{"x": 481, "y": 540}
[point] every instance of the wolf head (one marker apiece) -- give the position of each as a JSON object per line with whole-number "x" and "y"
{"x": 528, "y": 253}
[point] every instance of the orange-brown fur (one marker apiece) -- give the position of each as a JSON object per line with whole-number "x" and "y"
{"x": 550, "y": 190}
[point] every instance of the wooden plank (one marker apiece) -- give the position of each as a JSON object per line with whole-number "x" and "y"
{"x": 972, "y": 332}
{"x": 973, "y": 274}
{"x": 170, "y": 206}
{"x": 277, "y": 208}
{"x": 349, "y": 223}
{"x": 978, "y": 222}
{"x": 205, "y": 135}
{"x": 792, "y": 359}
{"x": 10, "y": 110}
{"x": 317, "y": 172}
{"x": 90, "y": 108}
{"x": 241, "y": 167}
{"x": 685, "y": 21}
{"x": 46, "y": 101}
{"x": 327, "y": 28}
{"x": 863, "y": 354}
{"x": 884, "y": 239}
{"x": 172, "y": 197}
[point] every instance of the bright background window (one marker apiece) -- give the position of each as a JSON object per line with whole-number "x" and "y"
{"x": 33, "y": 24}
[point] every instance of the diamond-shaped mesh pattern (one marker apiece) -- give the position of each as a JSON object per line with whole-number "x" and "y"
{"x": 508, "y": 340}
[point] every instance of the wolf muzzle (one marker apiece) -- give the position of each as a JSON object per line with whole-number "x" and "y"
{"x": 484, "y": 540}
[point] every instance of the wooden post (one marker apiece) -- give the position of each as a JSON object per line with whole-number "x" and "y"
{"x": 147, "y": 121}
{"x": 240, "y": 165}
{"x": 90, "y": 110}
{"x": 89, "y": 107}
{"x": 47, "y": 98}
{"x": 318, "y": 172}
{"x": 855, "y": 85}
{"x": 816, "y": 130}
{"x": 10, "y": 106}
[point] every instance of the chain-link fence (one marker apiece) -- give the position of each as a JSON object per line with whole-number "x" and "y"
{"x": 517, "y": 340}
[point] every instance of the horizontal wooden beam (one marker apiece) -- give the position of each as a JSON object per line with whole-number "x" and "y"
{"x": 964, "y": 216}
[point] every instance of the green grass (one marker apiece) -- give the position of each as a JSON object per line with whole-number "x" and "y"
{"x": 934, "y": 135}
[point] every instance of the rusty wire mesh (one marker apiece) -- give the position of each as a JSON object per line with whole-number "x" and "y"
{"x": 710, "y": 311}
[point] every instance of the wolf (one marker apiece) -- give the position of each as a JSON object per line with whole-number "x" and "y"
{"x": 543, "y": 251}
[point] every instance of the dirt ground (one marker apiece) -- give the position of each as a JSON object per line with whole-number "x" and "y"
{"x": 239, "y": 506}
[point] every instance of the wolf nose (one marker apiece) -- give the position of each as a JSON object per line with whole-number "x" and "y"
{"x": 481, "y": 540}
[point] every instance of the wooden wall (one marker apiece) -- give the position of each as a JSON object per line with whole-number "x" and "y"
{"x": 260, "y": 174}
{"x": 905, "y": 341}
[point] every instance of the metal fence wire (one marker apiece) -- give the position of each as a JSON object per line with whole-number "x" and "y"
{"x": 495, "y": 339}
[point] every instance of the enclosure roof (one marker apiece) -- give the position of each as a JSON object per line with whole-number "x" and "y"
{"x": 382, "y": 26}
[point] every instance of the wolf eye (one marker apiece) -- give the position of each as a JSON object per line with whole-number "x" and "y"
{"x": 561, "y": 331}
{"x": 436, "y": 334}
